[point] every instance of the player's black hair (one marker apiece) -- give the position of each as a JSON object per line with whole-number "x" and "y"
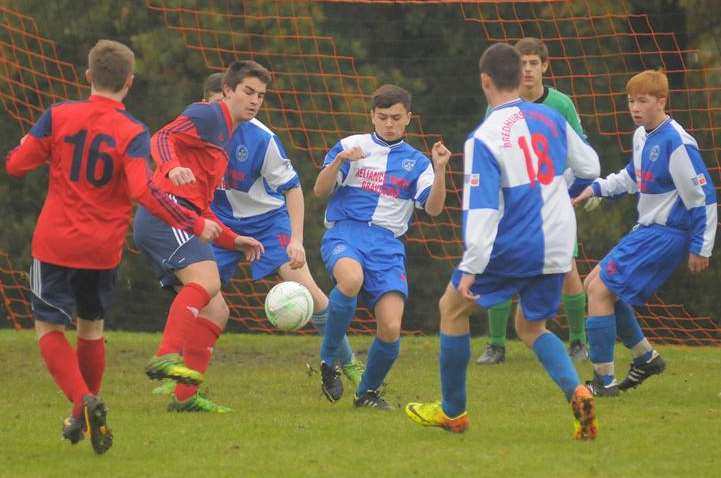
{"x": 240, "y": 70}
{"x": 389, "y": 95}
{"x": 502, "y": 63}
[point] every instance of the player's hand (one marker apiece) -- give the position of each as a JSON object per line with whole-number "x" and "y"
{"x": 296, "y": 254}
{"x": 592, "y": 203}
{"x": 440, "y": 155}
{"x": 180, "y": 176}
{"x": 464, "y": 286}
{"x": 211, "y": 231}
{"x": 252, "y": 248}
{"x": 696, "y": 263}
{"x": 585, "y": 194}
{"x": 353, "y": 154}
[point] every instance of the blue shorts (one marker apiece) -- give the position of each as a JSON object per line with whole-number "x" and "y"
{"x": 642, "y": 261}
{"x": 275, "y": 237}
{"x": 539, "y": 295}
{"x": 381, "y": 255}
{"x": 61, "y": 293}
{"x": 168, "y": 248}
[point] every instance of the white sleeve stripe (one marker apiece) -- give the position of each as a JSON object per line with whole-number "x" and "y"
{"x": 582, "y": 158}
{"x": 684, "y": 177}
{"x": 709, "y": 234}
{"x": 480, "y": 234}
{"x": 425, "y": 181}
{"x": 617, "y": 183}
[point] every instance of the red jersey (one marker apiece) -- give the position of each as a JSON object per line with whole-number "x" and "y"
{"x": 98, "y": 156}
{"x": 196, "y": 140}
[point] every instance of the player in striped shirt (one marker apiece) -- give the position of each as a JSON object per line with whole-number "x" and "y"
{"x": 97, "y": 154}
{"x": 677, "y": 221}
{"x": 375, "y": 180}
{"x": 534, "y": 63}
{"x": 517, "y": 215}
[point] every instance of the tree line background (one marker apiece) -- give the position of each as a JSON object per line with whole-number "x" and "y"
{"x": 429, "y": 50}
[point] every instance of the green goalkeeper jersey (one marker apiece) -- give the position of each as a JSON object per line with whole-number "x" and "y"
{"x": 562, "y": 103}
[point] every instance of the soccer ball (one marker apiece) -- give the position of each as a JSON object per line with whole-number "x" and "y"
{"x": 288, "y": 306}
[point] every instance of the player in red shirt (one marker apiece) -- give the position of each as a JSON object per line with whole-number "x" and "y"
{"x": 97, "y": 155}
{"x": 191, "y": 159}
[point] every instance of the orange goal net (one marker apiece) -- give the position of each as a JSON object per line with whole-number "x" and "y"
{"x": 321, "y": 89}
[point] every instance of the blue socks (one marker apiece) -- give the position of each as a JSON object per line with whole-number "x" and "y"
{"x": 550, "y": 351}
{"x": 341, "y": 309}
{"x": 601, "y": 332}
{"x": 628, "y": 327}
{"x": 344, "y": 353}
{"x": 381, "y": 356}
{"x": 455, "y": 355}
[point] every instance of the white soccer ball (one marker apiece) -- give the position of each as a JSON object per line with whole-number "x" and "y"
{"x": 288, "y": 306}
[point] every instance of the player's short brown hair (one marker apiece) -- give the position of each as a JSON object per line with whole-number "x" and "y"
{"x": 240, "y": 70}
{"x": 213, "y": 84}
{"x": 110, "y": 62}
{"x": 389, "y": 95}
{"x": 533, "y": 46}
{"x": 502, "y": 63}
{"x": 649, "y": 82}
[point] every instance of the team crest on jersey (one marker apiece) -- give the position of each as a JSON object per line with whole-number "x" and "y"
{"x": 699, "y": 180}
{"x": 655, "y": 151}
{"x": 241, "y": 154}
{"x": 408, "y": 164}
{"x": 473, "y": 180}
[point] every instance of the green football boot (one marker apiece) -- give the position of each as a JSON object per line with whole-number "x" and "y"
{"x": 173, "y": 367}
{"x": 167, "y": 387}
{"x": 354, "y": 371}
{"x": 197, "y": 403}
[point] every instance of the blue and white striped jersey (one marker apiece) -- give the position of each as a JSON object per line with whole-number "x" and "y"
{"x": 381, "y": 188}
{"x": 258, "y": 174}
{"x": 517, "y": 215}
{"x": 673, "y": 185}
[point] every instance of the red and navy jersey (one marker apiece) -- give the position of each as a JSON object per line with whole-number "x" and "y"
{"x": 196, "y": 140}
{"x": 98, "y": 159}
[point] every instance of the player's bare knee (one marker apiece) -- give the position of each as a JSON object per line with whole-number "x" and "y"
{"x": 90, "y": 329}
{"x": 216, "y": 311}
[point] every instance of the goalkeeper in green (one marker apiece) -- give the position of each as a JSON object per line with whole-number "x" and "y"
{"x": 534, "y": 63}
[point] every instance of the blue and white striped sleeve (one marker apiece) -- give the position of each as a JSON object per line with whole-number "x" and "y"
{"x": 423, "y": 186}
{"x": 617, "y": 184}
{"x": 481, "y": 205}
{"x": 697, "y": 192}
{"x": 330, "y": 157}
{"x": 277, "y": 170}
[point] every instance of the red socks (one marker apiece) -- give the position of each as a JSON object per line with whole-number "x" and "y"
{"x": 197, "y": 351}
{"x": 62, "y": 363}
{"x": 91, "y": 358}
{"x": 183, "y": 313}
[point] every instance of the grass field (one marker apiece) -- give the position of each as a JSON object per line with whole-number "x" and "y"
{"x": 282, "y": 426}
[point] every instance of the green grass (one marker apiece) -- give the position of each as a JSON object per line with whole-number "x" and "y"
{"x": 282, "y": 426}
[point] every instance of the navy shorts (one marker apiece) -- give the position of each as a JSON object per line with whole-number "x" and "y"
{"x": 275, "y": 237}
{"x": 642, "y": 261}
{"x": 540, "y": 296}
{"x": 381, "y": 255}
{"x": 62, "y": 293}
{"x": 169, "y": 249}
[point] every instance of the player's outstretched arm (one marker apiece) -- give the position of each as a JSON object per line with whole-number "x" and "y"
{"x": 437, "y": 197}
{"x": 328, "y": 176}
{"x": 143, "y": 190}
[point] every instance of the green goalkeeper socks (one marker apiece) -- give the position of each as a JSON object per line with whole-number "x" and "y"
{"x": 575, "y": 306}
{"x": 498, "y": 323}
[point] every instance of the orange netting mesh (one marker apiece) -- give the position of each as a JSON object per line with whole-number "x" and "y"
{"x": 319, "y": 95}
